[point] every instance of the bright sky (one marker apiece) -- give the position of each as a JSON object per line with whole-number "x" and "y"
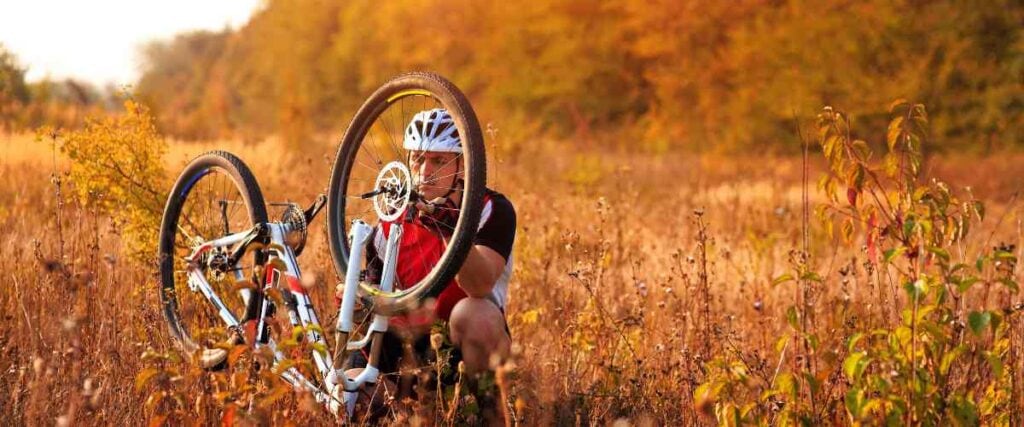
{"x": 98, "y": 40}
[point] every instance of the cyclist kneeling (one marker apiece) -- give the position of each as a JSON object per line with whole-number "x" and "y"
{"x": 471, "y": 307}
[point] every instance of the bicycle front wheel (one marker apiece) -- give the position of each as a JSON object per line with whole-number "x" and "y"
{"x": 373, "y": 155}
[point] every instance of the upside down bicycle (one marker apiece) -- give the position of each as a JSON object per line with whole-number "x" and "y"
{"x": 227, "y": 272}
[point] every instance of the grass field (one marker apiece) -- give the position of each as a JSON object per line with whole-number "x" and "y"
{"x": 636, "y": 274}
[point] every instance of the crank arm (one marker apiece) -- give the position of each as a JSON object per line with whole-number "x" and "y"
{"x": 318, "y": 205}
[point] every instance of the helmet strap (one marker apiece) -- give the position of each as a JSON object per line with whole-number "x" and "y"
{"x": 455, "y": 182}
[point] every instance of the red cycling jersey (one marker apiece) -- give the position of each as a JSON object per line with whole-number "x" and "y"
{"x": 421, "y": 248}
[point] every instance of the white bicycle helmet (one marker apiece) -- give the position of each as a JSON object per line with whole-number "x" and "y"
{"x": 432, "y": 130}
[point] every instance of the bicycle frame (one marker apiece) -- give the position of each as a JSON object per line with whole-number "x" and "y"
{"x": 281, "y": 264}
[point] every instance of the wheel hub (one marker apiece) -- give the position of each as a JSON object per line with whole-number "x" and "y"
{"x": 394, "y": 190}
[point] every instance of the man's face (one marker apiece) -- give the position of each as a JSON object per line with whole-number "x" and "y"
{"x": 434, "y": 173}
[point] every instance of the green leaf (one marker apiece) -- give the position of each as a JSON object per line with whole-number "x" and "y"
{"x": 876, "y": 405}
{"x": 997, "y": 319}
{"x": 739, "y": 370}
{"x": 745, "y": 410}
{"x": 786, "y": 386}
{"x": 780, "y": 344}
{"x": 963, "y": 284}
{"x": 855, "y": 364}
{"x": 979, "y": 208}
{"x": 855, "y": 402}
{"x": 863, "y": 151}
{"x": 938, "y": 333}
{"x": 782, "y": 279}
{"x": 922, "y": 313}
{"x": 890, "y": 254}
{"x": 939, "y": 252}
{"x": 996, "y": 363}
{"x": 907, "y": 316}
{"x": 978, "y": 320}
{"x": 964, "y": 412}
{"x": 1005, "y": 256}
{"x": 812, "y": 276}
{"x": 812, "y": 382}
{"x": 964, "y": 228}
{"x": 917, "y": 289}
{"x": 852, "y": 343}
{"x": 791, "y": 317}
{"x": 949, "y": 358}
{"x": 902, "y": 335}
{"x": 908, "y": 226}
{"x": 812, "y": 339}
{"x": 926, "y": 226}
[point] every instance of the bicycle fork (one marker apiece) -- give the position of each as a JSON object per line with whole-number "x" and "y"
{"x": 359, "y": 238}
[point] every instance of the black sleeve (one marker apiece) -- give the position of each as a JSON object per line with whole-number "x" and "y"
{"x": 374, "y": 265}
{"x": 499, "y": 227}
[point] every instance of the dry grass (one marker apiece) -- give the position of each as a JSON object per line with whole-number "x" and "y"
{"x": 607, "y": 303}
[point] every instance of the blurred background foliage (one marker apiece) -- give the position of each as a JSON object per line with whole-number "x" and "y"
{"x": 657, "y": 75}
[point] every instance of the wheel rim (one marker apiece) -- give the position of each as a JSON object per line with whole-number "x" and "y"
{"x": 378, "y": 150}
{"x": 212, "y": 206}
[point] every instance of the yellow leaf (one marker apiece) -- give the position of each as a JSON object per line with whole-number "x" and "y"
{"x": 530, "y": 317}
{"x": 144, "y": 377}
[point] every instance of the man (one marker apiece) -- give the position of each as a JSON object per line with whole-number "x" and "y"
{"x": 472, "y": 306}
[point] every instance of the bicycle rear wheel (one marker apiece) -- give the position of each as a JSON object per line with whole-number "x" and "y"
{"x": 215, "y": 196}
{"x": 372, "y": 152}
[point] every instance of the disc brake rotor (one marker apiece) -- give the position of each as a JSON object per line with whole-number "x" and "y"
{"x": 394, "y": 189}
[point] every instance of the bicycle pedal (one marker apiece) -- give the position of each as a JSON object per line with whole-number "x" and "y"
{"x": 215, "y": 359}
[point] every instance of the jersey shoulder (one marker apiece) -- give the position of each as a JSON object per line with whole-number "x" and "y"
{"x": 497, "y": 223}
{"x": 497, "y": 207}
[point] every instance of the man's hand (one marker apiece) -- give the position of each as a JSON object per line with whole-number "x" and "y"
{"x": 339, "y": 291}
{"x": 439, "y": 214}
{"x": 429, "y": 207}
{"x": 422, "y": 311}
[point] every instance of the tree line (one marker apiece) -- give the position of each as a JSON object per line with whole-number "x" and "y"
{"x": 659, "y": 74}
{"x": 62, "y": 103}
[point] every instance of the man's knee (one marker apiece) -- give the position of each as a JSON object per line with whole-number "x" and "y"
{"x": 477, "y": 321}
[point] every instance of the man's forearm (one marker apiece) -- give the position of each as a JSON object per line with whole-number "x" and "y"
{"x": 479, "y": 272}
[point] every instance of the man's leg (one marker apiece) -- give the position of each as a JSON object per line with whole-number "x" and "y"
{"x": 477, "y": 328}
